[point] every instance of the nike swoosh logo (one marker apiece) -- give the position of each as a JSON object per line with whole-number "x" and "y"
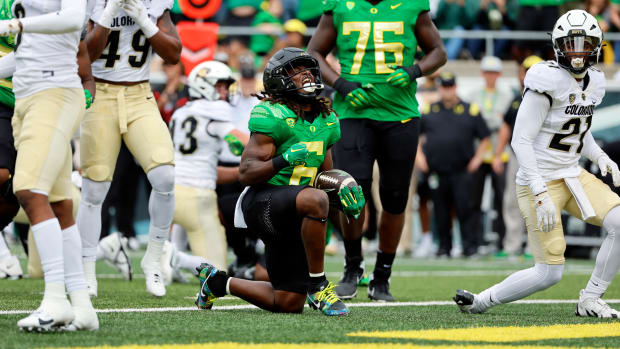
{"x": 395, "y": 6}
{"x": 149, "y": 97}
{"x": 295, "y": 150}
{"x": 329, "y": 123}
{"x": 45, "y": 322}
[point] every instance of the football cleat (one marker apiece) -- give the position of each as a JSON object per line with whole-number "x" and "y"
{"x": 205, "y": 298}
{"x": 352, "y": 276}
{"x": 85, "y": 320}
{"x": 326, "y": 300}
{"x": 379, "y": 290}
{"x": 51, "y": 316}
{"x": 152, "y": 274}
{"x": 90, "y": 276}
{"x": 167, "y": 269}
{"x": 466, "y": 302}
{"x": 114, "y": 247}
{"x": 594, "y": 307}
{"x": 10, "y": 268}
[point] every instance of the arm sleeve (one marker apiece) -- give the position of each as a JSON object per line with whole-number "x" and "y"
{"x": 70, "y": 18}
{"x": 591, "y": 150}
{"x": 219, "y": 129}
{"x": 530, "y": 118}
{"x": 7, "y": 65}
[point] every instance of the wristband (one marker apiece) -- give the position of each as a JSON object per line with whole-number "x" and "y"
{"x": 149, "y": 29}
{"x": 279, "y": 163}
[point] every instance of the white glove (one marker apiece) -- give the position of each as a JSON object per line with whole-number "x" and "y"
{"x": 109, "y": 12}
{"x": 136, "y": 10}
{"x": 545, "y": 212}
{"x": 606, "y": 164}
{"x": 9, "y": 27}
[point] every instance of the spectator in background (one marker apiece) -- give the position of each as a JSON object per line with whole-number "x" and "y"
{"x": 451, "y": 127}
{"x": 294, "y": 32}
{"x": 494, "y": 101}
{"x": 267, "y": 22}
{"x": 608, "y": 18}
{"x": 515, "y": 226}
{"x": 456, "y": 15}
{"x": 309, "y": 11}
{"x": 538, "y": 15}
{"x": 174, "y": 94}
{"x": 493, "y": 15}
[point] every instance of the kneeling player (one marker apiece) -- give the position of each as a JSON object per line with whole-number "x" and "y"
{"x": 551, "y": 132}
{"x": 292, "y": 132}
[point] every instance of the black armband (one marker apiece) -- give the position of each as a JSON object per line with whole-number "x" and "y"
{"x": 279, "y": 163}
{"x": 414, "y": 72}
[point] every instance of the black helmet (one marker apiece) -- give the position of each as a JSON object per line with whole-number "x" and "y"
{"x": 277, "y": 80}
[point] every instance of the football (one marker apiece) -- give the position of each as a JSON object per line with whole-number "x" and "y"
{"x": 331, "y": 181}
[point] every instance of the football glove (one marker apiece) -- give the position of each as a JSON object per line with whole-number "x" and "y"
{"x": 354, "y": 92}
{"x": 296, "y": 155}
{"x": 9, "y": 27}
{"x": 89, "y": 98}
{"x": 136, "y": 10}
{"x": 234, "y": 144}
{"x": 606, "y": 164}
{"x": 109, "y": 12}
{"x": 403, "y": 76}
{"x": 352, "y": 200}
{"x": 545, "y": 212}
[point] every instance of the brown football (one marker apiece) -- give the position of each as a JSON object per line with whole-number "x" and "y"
{"x": 331, "y": 181}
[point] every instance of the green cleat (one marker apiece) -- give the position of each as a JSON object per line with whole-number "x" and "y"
{"x": 205, "y": 298}
{"x": 327, "y": 301}
{"x": 364, "y": 280}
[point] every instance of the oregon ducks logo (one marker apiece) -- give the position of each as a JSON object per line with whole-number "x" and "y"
{"x": 290, "y": 122}
{"x": 312, "y": 129}
{"x": 373, "y": 10}
{"x": 350, "y": 5}
{"x": 571, "y": 98}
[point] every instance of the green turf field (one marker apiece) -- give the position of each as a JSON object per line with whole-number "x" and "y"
{"x": 424, "y": 316}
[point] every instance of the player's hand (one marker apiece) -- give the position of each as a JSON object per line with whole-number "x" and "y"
{"x": 234, "y": 144}
{"x": 354, "y": 92}
{"x": 296, "y": 155}
{"x": 352, "y": 200}
{"x": 89, "y": 98}
{"x": 137, "y": 10}
{"x": 545, "y": 212}
{"x": 109, "y": 12}
{"x": 403, "y": 76}
{"x": 9, "y": 27}
{"x": 497, "y": 165}
{"x": 606, "y": 164}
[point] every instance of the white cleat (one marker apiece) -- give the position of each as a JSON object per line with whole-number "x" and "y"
{"x": 154, "y": 282}
{"x": 85, "y": 320}
{"x": 10, "y": 268}
{"x": 51, "y": 316}
{"x": 168, "y": 255}
{"x": 115, "y": 248}
{"x": 90, "y": 276}
{"x": 594, "y": 307}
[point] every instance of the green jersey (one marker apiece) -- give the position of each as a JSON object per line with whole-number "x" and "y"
{"x": 6, "y": 46}
{"x": 286, "y": 128}
{"x": 370, "y": 38}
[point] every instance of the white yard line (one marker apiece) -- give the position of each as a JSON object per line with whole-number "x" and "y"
{"x": 351, "y": 305}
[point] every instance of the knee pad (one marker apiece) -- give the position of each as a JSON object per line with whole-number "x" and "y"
{"x": 93, "y": 193}
{"x": 611, "y": 222}
{"x": 556, "y": 247}
{"x": 394, "y": 200}
{"x": 162, "y": 178}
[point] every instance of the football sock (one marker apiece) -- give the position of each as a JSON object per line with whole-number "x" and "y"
{"x": 4, "y": 249}
{"x": 190, "y": 262}
{"x": 316, "y": 280}
{"x": 608, "y": 257}
{"x": 520, "y": 285}
{"x": 178, "y": 237}
{"x": 89, "y": 216}
{"x": 161, "y": 202}
{"x": 48, "y": 238}
{"x": 72, "y": 253}
{"x": 353, "y": 248}
{"x": 383, "y": 266}
{"x": 217, "y": 283}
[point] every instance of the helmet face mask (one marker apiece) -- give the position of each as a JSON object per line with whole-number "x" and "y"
{"x": 577, "y": 39}
{"x": 288, "y": 66}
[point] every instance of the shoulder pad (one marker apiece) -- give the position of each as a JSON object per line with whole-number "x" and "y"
{"x": 474, "y": 109}
{"x": 598, "y": 83}
{"x": 213, "y": 110}
{"x": 541, "y": 77}
{"x": 158, "y": 7}
{"x": 329, "y": 5}
{"x": 273, "y": 110}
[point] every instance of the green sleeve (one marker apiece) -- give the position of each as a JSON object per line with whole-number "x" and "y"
{"x": 334, "y": 135}
{"x": 330, "y": 5}
{"x": 263, "y": 120}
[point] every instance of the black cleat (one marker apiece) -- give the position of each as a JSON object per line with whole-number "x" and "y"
{"x": 347, "y": 286}
{"x": 465, "y": 300}
{"x": 379, "y": 290}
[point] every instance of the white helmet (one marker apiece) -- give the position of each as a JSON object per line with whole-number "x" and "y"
{"x": 570, "y": 34}
{"x": 204, "y": 76}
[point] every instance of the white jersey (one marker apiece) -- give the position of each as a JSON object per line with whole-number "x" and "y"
{"x": 559, "y": 143}
{"x": 242, "y": 108}
{"x": 127, "y": 55}
{"x": 197, "y": 131}
{"x": 44, "y": 61}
